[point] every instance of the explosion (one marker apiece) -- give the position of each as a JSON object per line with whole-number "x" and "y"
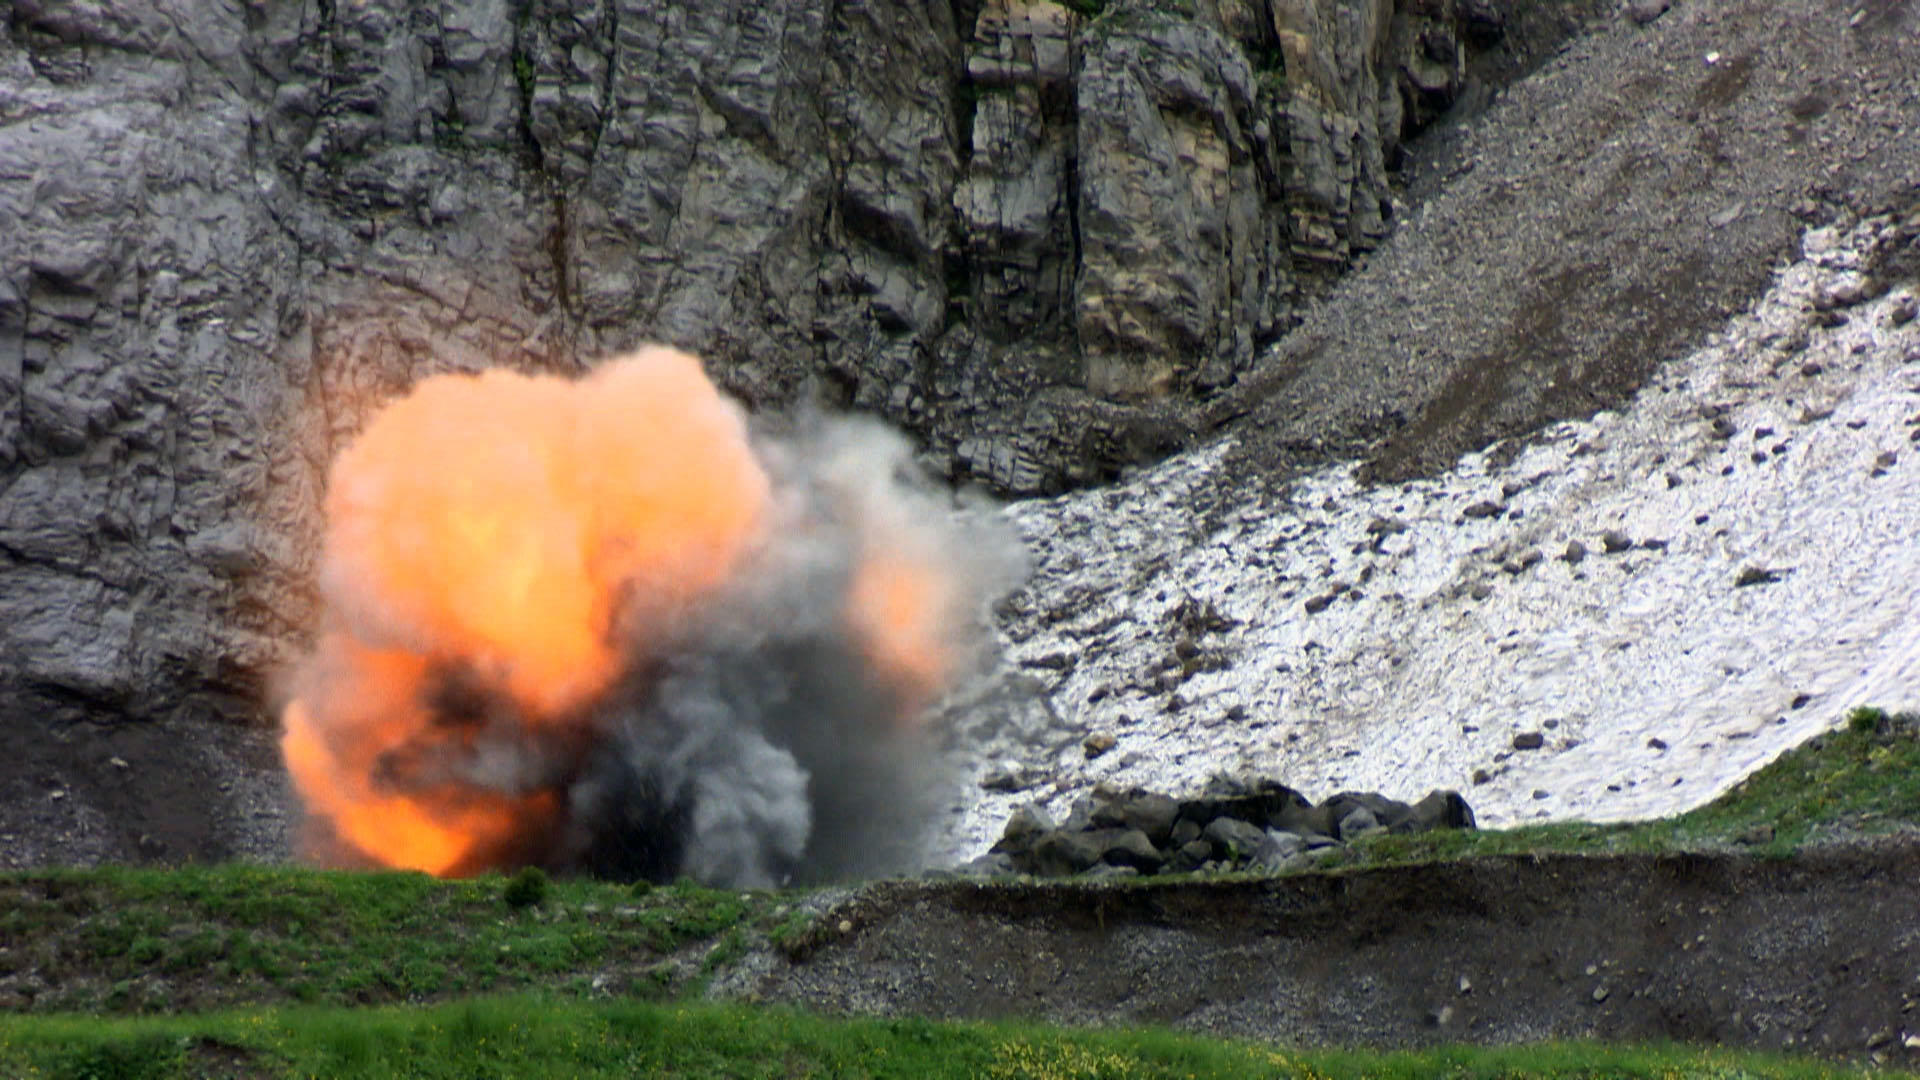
{"x": 598, "y": 625}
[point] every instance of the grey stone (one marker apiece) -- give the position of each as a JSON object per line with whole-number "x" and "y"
{"x": 991, "y": 864}
{"x": 1305, "y": 820}
{"x": 1381, "y": 810}
{"x": 1024, "y": 829}
{"x": 1150, "y": 813}
{"x": 1190, "y": 856}
{"x": 1234, "y": 839}
{"x": 1281, "y": 850}
{"x": 1643, "y": 12}
{"x": 1063, "y": 852}
{"x": 1131, "y": 848}
{"x": 1439, "y": 810}
{"x": 1359, "y": 822}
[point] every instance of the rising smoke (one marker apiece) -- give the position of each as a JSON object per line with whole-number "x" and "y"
{"x": 598, "y": 626}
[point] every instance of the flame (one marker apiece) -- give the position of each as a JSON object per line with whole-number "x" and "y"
{"x": 527, "y": 534}
{"x": 900, "y": 605}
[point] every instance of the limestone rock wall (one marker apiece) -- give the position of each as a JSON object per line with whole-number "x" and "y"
{"x": 1028, "y": 231}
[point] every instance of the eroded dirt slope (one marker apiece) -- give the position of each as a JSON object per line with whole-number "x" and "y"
{"x": 1816, "y": 953}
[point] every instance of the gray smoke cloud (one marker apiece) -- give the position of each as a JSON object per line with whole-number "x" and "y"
{"x": 753, "y": 740}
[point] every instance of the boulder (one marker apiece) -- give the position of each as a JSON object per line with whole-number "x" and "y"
{"x": 1130, "y": 848}
{"x": 1280, "y": 850}
{"x": 1381, "y": 810}
{"x": 1190, "y": 856}
{"x": 1259, "y": 800}
{"x": 1151, "y": 813}
{"x": 1439, "y": 810}
{"x": 1234, "y": 840}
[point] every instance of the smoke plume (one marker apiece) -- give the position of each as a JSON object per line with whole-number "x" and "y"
{"x": 597, "y": 625}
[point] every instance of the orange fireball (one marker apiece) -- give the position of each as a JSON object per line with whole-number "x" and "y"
{"x": 503, "y": 551}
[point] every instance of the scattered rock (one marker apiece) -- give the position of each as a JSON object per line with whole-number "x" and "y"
{"x": 1097, "y": 743}
{"x": 1258, "y": 824}
{"x": 1613, "y": 541}
{"x": 1147, "y": 812}
{"x": 1846, "y": 292}
{"x": 1529, "y": 740}
{"x": 1439, "y": 810}
{"x": 1483, "y": 509}
{"x": 1643, "y": 12}
{"x": 1657, "y": 743}
{"x": 1234, "y": 839}
{"x": 1516, "y": 564}
{"x": 1013, "y": 777}
{"x": 1755, "y": 575}
{"x": 1575, "y": 554}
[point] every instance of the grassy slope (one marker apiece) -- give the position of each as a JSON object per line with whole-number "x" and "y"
{"x": 1858, "y": 781}
{"x": 118, "y": 940}
{"x": 545, "y": 1037}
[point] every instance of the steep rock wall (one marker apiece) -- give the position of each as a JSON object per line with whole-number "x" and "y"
{"x": 1031, "y": 233}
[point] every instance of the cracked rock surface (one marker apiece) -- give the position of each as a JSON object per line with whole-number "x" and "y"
{"x": 227, "y": 231}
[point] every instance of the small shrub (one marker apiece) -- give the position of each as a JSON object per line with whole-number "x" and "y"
{"x": 1866, "y": 720}
{"x": 528, "y": 888}
{"x": 641, "y": 888}
{"x": 144, "y": 1057}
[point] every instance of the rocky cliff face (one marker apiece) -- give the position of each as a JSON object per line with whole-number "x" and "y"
{"x": 1027, "y": 231}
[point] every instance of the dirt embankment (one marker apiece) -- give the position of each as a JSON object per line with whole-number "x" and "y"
{"x": 1816, "y": 954}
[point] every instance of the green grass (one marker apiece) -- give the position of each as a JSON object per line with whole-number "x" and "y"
{"x": 139, "y": 940}
{"x": 545, "y": 1036}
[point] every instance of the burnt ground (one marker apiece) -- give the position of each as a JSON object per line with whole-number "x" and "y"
{"x": 1818, "y": 953}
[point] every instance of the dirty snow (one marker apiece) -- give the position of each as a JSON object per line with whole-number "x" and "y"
{"x": 1655, "y": 681}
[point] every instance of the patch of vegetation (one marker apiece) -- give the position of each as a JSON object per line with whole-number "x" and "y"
{"x": 528, "y": 888}
{"x": 550, "y": 1036}
{"x": 137, "y": 940}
